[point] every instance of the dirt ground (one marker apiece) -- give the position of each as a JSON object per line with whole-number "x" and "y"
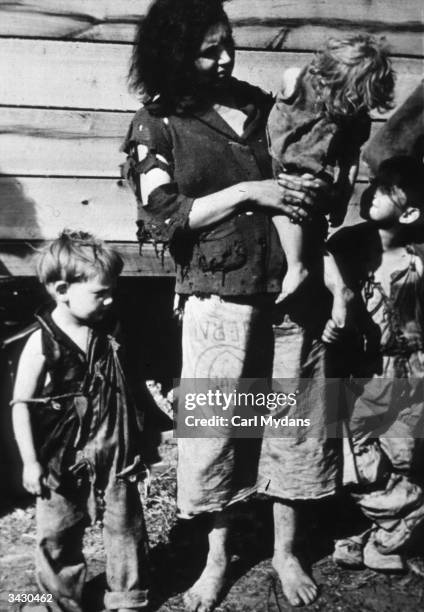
{"x": 178, "y": 549}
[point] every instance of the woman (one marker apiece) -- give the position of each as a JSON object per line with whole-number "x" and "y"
{"x": 199, "y": 164}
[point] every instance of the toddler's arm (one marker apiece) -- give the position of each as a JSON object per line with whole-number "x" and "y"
{"x": 29, "y": 375}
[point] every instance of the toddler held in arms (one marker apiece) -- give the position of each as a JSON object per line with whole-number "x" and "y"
{"x": 316, "y": 128}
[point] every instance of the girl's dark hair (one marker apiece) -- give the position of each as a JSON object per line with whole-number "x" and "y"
{"x": 351, "y": 74}
{"x": 404, "y": 172}
{"x": 167, "y": 41}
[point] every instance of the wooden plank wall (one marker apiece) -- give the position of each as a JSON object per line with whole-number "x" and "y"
{"x": 65, "y": 105}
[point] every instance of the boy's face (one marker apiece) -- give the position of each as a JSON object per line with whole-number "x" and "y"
{"x": 387, "y": 207}
{"x": 88, "y": 301}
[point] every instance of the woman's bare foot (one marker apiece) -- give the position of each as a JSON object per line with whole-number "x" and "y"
{"x": 204, "y": 594}
{"x": 295, "y": 276}
{"x": 298, "y": 587}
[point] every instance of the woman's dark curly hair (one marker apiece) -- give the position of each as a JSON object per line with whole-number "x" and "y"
{"x": 166, "y": 45}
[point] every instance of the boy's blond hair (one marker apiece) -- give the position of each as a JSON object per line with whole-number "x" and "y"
{"x": 77, "y": 256}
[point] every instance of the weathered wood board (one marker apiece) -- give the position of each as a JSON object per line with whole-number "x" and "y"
{"x": 66, "y": 105}
{"x": 39, "y": 208}
{"x": 50, "y": 142}
{"x": 262, "y": 24}
{"x": 61, "y": 143}
{"x": 33, "y": 208}
{"x": 19, "y": 259}
{"x": 93, "y": 75}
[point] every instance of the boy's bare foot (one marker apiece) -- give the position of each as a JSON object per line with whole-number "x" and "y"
{"x": 204, "y": 594}
{"x": 298, "y": 587}
{"x": 295, "y": 276}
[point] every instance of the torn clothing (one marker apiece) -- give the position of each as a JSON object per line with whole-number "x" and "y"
{"x": 387, "y": 491}
{"x": 203, "y": 155}
{"x": 384, "y": 397}
{"x": 223, "y": 341}
{"x": 307, "y": 463}
{"x": 60, "y": 563}
{"x": 304, "y": 138}
{"x": 390, "y": 326}
{"x": 95, "y": 429}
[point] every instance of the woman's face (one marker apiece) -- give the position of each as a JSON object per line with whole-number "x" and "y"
{"x": 215, "y": 61}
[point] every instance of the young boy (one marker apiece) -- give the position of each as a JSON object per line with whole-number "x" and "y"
{"x": 78, "y": 430}
{"x": 385, "y": 265}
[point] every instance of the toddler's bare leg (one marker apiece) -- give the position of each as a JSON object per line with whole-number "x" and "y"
{"x": 298, "y": 587}
{"x": 203, "y": 595}
{"x": 291, "y": 238}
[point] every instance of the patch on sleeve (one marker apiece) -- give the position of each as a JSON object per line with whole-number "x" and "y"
{"x": 142, "y": 152}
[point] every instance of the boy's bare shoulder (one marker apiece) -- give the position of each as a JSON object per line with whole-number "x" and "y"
{"x": 31, "y": 368}
{"x": 33, "y": 347}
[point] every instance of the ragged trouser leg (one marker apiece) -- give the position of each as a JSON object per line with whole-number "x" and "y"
{"x": 61, "y": 567}
{"x": 125, "y": 540}
{"x": 60, "y": 563}
{"x": 394, "y": 503}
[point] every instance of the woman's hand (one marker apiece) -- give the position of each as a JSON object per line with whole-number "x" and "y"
{"x": 269, "y": 194}
{"x": 306, "y": 192}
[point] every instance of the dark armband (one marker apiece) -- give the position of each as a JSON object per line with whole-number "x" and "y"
{"x": 164, "y": 219}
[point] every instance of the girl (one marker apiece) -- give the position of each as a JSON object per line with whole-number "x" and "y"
{"x": 317, "y": 126}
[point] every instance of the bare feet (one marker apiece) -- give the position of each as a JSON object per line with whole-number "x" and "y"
{"x": 298, "y": 587}
{"x": 295, "y": 276}
{"x": 204, "y": 594}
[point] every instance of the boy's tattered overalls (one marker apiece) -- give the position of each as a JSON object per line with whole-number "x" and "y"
{"x": 386, "y": 398}
{"x": 88, "y": 433}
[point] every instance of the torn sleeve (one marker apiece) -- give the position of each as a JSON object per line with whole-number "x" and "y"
{"x": 168, "y": 211}
{"x": 148, "y": 145}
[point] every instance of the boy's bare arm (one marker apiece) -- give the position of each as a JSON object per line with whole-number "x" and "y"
{"x": 343, "y": 189}
{"x": 30, "y": 372}
{"x": 342, "y": 298}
